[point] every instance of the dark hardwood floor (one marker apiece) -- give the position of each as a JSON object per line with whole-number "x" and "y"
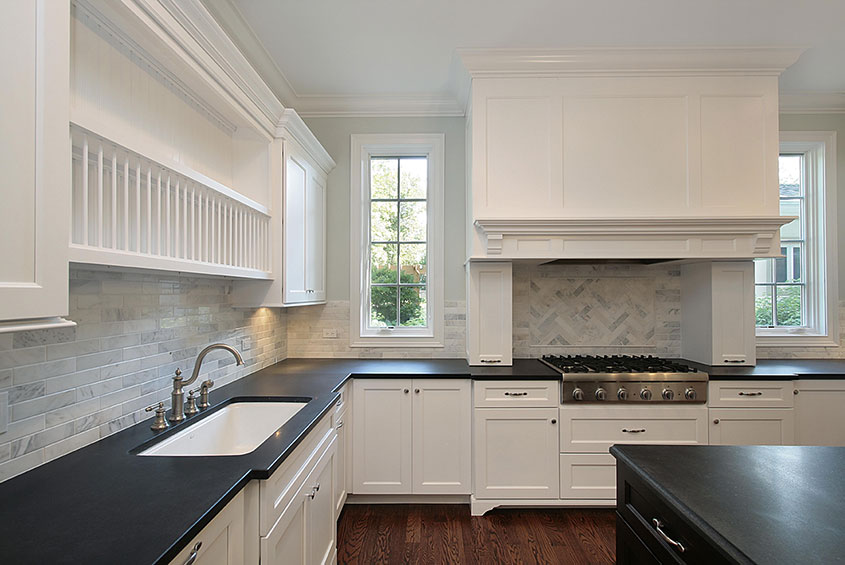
{"x": 447, "y": 534}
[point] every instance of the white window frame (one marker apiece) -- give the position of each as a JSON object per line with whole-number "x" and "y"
{"x": 821, "y": 271}
{"x": 365, "y": 146}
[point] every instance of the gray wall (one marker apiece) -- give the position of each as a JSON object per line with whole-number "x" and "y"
{"x": 827, "y": 122}
{"x": 334, "y": 134}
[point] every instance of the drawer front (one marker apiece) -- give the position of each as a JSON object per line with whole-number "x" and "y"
{"x": 645, "y": 512}
{"x": 751, "y": 394}
{"x": 595, "y": 428}
{"x": 587, "y": 476}
{"x": 527, "y": 394}
{"x": 276, "y": 492}
{"x": 341, "y": 403}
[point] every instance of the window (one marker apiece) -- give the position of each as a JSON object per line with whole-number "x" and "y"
{"x": 796, "y": 294}
{"x": 396, "y": 240}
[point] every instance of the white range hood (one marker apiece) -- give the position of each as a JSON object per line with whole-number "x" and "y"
{"x": 616, "y": 154}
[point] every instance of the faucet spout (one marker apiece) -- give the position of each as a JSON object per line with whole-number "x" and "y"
{"x": 177, "y": 396}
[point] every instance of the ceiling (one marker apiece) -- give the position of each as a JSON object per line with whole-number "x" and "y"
{"x": 383, "y": 57}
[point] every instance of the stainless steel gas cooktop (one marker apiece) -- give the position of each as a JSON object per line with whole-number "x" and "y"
{"x": 626, "y": 378}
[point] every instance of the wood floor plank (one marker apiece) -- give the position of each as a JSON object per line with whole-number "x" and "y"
{"x": 433, "y": 534}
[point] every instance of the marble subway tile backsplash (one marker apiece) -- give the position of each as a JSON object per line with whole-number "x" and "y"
{"x": 69, "y": 387}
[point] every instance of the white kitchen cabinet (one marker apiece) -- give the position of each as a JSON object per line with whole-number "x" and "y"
{"x": 590, "y": 476}
{"x": 35, "y": 160}
{"x": 305, "y": 532}
{"x": 411, "y": 436}
{"x": 490, "y": 313}
{"x": 441, "y": 454}
{"x": 341, "y": 419}
{"x": 718, "y": 325}
{"x": 304, "y": 231}
{"x": 516, "y": 453}
{"x": 221, "y": 541}
{"x": 752, "y": 426}
{"x": 819, "y": 417}
{"x": 750, "y": 394}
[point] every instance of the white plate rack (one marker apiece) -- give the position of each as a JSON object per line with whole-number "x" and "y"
{"x": 130, "y": 210}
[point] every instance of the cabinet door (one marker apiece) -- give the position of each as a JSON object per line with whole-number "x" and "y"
{"x": 296, "y": 180}
{"x": 587, "y": 476}
{"x": 320, "y": 523}
{"x": 315, "y": 229}
{"x": 752, "y": 426}
{"x": 381, "y": 434}
{"x": 221, "y": 542}
{"x": 490, "y": 314}
{"x": 734, "y": 338}
{"x": 441, "y": 436}
{"x": 819, "y": 418}
{"x": 285, "y": 543}
{"x": 35, "y": 159}
{"x": 341, "y": 461}
{"x": 516, "y": 453}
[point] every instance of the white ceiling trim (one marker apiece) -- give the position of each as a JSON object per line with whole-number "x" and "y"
{"x": 812, "y": 103}
{"x": 377, "y": 106}
{"x": 649, "y": 61}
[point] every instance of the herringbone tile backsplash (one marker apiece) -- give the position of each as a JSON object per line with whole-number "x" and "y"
{"x": 599, "y": 309}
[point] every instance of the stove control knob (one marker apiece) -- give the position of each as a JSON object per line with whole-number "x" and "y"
{"x": 577, "y": 394}
{"x": 645, "y": 394}
{"x": 690, "y": 394}
{"x": 668, "y": 394}
{"x": 601, "y": 394}
{"x": 622, "y": 394}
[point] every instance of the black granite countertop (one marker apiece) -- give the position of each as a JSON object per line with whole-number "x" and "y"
{"x": 103, "y": 504}
{"x": 764, "y": 504}
{"x": 779, "y": 369}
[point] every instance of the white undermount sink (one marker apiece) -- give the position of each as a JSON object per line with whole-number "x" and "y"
{"x": 235, "y": 429}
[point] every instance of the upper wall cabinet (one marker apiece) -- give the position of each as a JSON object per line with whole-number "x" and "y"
{"x": 34, "y": 158}
{"x": 300, "y": 169}
{"x": 621, "y": 135}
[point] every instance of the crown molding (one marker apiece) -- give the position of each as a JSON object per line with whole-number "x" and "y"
{"x": 377, "y": 106}
{"x": 644, "y": 61}
{"x": 292, "y": 127}
{"x": 812, "y": 103}
{"x": 640, "y": 238}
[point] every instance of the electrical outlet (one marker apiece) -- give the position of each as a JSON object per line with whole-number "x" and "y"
{"x": 330, "y": 333}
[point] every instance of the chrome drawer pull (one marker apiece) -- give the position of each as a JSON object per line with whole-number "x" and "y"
{"x": 734, "y": 360}
{"x": 741, "y": 393}
{"x": 194, "y": 552}
{"x": 516, "y": 394}
{"x": 491, "y": 360}
{"x": 633, "y": 430}
{"x": 657, "y": 525}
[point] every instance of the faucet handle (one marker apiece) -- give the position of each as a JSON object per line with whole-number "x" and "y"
{"x": 178, "y": 373}
{"x": 159, "y": 423}
{"x": 191, "y": 403}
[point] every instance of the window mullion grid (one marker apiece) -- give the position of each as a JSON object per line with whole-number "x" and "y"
{"x": 398, "y": 237}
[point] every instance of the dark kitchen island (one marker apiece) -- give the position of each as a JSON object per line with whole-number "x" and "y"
{"x": 730, "y": 504}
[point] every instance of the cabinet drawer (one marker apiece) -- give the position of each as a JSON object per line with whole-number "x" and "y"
{"x": 596, "y": 428}
{"x": 587, "y": 476}
{"x": 750, "y": 394}
{"x": 640, "y": 507}
{"x": 221, "y": 541}
{"x": 528, "y": 394}
{"x": 341, "y": 403}
{"x": 276, "y": 492}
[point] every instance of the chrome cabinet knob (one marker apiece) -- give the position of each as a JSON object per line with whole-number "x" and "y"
{"x": 578, "y": 394}
{"x": 645, "y": 394}
{"x": 622, "y": 394}
{"x": 668, "y": 394}
{"x": 690, "y": 394}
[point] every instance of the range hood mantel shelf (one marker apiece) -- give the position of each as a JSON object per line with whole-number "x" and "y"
{"x": 633, "y": 238}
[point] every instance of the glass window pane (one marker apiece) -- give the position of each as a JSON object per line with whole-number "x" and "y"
{"x": 383, "y": 263}
{"x": 383, "y": 181}
{"x": 792, "y": 230}
{"x": 382, "y": 306}
{"x": 796, "y": 263}
{"x": 383, "y": 221}
{"x": 780, "y": 267}
{"x": 414, "y": 181}
{"x": 790, "y": 175}
{"x": 764, "y": 270}
{"x": 788, "y": 305}
{"x": 412, "y": 259}
{"x": 413, "y": 221}
{"x": 412, "y": 304}
{"x": 763, "y": 305}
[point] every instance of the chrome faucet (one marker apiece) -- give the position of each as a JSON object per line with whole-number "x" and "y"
{"x": 177, "y": 397}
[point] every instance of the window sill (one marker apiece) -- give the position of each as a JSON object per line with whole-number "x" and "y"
{"x": 397, "y": 341}
{"x": 795, "y": 339}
